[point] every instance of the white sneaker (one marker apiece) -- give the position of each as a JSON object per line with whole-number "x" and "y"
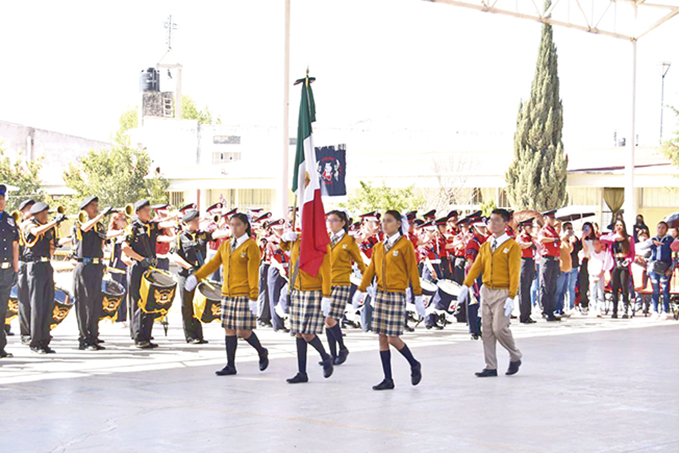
{"x": 654, "y": 316}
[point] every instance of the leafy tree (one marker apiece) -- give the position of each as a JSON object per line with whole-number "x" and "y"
{"x": 190, "y": 111}
{"x": 23, "y": 175}
{"x": 383, "y": 198}
{"x": 487, "y": 207}
{"x": 536, "y": 179}
{"x": 128, "y": 120}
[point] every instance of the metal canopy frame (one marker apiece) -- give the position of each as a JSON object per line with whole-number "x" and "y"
{"x": 618, "y": 19}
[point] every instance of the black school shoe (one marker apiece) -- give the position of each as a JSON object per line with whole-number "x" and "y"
{"x": 513, "y": 368}
{"x": 486, "y": 373}
{"x": 264, "y": 360}
{"x": 5, "y": 355}
{"x": 328, "y": 367}
{"x": 342, "y": 357}
{"x": 298, "y": 379}
{"x": 387, "y": 384}
{"x": 226, "y": 371}
{"x": 416, "y": 374}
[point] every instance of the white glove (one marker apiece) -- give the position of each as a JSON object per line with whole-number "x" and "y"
{"x": 190, "y": 283}
{"x": 356, "y": 300}
{"x": 419, "y": 306}
{"x": 509, "y": 307}
{"x": 325, "y": 306}
{"x": 254, "y": 306}
{"x": 290, "y": 236}
{"x": 464, "y": 294}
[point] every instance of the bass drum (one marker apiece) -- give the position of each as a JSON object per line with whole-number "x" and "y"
{"x": 63, "y": 303}
{"x": 157, "y": 292}
{"x": 12, "y": 305}
{"x": 207, "y": 301}
{"x": 428, "y": 288}
{"x": 448, "y": 291}
{"x": 112, "y": 296}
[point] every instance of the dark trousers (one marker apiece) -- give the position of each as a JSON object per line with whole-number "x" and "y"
{"x": 122, "y": 308}
{"x": 458, "y": 270}
{"x": 24, "y": 302}
{"x": 41, "y": 295}
{"x": 274, "y": 284}
{"x": 6, "y": 277}
{"x": 193, "y": 330}
{"x": 142, "y": 323}
{"x": 583, "y": 283}
{"x": 263, "y": 297}
{"x": 473, "y": 319}
{"x": 620, "y": 283}
{"x": 88, "y": 300}
{"x": 446, "y": 270}
{"x": 549, "y": 272}
{"x": 163, "y": 264}
{"x": 527, "y": 277}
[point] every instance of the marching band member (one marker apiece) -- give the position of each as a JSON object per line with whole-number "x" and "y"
{"x": 458, "y": 246}
{"x": 528, "y": 246}
{"x": 549, "y": 265}
{"x": 430, "y": 254}
{"x": 441, "y": 243}
{"x": 9, "y": 265}
{"x": 263, "y": 311}
{"x": 307, "y": 294}
{"x": 279, "y": 261}
{"x": 471, "y": 252}
{"x": 163, "y": 247}
{"x": 239, "y": 257}
{"x": 39, "y": 234}
{"x": 369, "y": 236}
{"x": 395, "y": 267}
{"x": 118, "y": 260}
{"x": 140, "y": 246}
{"x": 22, "y": 279}
{"x": 343, "y": 251}
{"x": 189, "y": 254}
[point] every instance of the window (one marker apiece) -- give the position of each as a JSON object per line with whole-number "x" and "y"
{"x": 659, "y": 197}
{"x": 226, "y": 139}
{"x": 222, "y": 157}
{"x": 177, "y": 199}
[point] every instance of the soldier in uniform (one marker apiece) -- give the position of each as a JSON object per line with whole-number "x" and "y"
{"x": 22, "y": 278}
{"x": 140, "y": 246}
{"x": 39, "y": 234}
{"x": 9, "y": 264}
{"x": 88, "y": 272}
{"x": 527, "y": 243}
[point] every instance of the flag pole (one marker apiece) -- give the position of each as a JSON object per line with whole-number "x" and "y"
{"x": 283, "y": 188}
{"x": 294, "y": 213}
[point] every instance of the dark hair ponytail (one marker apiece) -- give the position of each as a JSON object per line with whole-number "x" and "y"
{"x": 244, "y": 218}
{"x": 396, "y": 215}
{"x": 343, "y": 218}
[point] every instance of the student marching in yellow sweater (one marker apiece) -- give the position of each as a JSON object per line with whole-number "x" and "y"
{"x": 307, "y": 295}
{"x": 239, "y": 258}
{"x": 394, "y": 265}
{"x": 343, "y": 252}
{"x": 500, "y": 262}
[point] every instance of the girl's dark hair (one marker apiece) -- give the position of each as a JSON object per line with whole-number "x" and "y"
{"x": 591, "y": 234}
{"x": 396, "y": 215}
{"x": 343, "y": 217}
{"x": 244, "y": 218}
{"x": 625, "y": 243}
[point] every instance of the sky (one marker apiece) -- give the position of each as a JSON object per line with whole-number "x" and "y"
{"x": 73, "y": 66}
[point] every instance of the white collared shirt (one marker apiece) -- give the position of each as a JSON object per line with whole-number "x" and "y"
{"x": 339, "y": 235}
{"x": 239, "y": 241}
{"x": 391, "y": 240}
{"x": 498, "y": 240}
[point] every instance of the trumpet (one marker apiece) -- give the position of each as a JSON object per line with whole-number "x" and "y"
{"x": 83, "y": 217}
{"x": 17, "y": 216}
{"x": 128, "y": 209}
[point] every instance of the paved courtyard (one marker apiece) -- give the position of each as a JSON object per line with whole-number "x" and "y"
{"x": 586, "y": 385}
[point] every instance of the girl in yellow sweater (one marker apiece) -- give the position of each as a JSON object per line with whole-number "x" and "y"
{"x": 343, "y": 251}
{"x": 239, "y": 258}
{"x": 394, "y": 265}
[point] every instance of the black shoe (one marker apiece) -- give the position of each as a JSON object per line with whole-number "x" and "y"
{"x": 38, "y": 350}
{"x": 282, "y": 329}
{"x": 409, "y": 329}
{"x": 226, "y": 371}
{"x": 487, "y": 373}
{"x": 49, "y": 350}
{"x": 529, "y": 321}
{"x": 416, "y": 374}
{"x": 264, "y": 360}
{"x": 9, "y": 333}
{"x": 552, "y": 319}
{"x": 513, "y": 368}
{"x": 82, "y": 346}
{"x": 98, "y": 341}
{"x": 196, "y": 341}
{"x": 387, "y": 384}
{"x": 475, "y": 336}
{"x": 298, "y": 379}
{"x": 342, "y": 357}
{"x": 428, "y": 327}
{"x": 5, "y": 355}
{"x": 94, "y": 347}
{"x": 328, "y": 367}
{"x": 146, "y": 345}
{"x": 614, "y": 316}
{"x": 26, "y": 340}
{"x": 625, "y": 316}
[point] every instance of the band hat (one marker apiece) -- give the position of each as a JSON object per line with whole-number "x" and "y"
{"x": 87, "y": 201}
{"x": 160, "y": 207}
{"x": 3, "y": 189}
{"x": 141, "y": 204}
{"x": 186, "y": 207}
{"x": 26, "y": 203}
{"x": 39, "y": 207}
{"x": 190, "y": 215}
{"x": 430, "y": 215}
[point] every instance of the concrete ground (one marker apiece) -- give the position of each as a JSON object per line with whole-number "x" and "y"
{"x": 586, "y": 385}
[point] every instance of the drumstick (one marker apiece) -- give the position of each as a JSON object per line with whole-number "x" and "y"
{"x": 115, "y": 270}
{"x": 208, "y": 284}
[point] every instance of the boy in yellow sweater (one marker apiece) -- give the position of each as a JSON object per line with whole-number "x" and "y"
{"x": 499, "y": 260}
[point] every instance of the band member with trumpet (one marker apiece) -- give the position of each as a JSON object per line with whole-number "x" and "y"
{"x": 163, "y": 248}
{"x": 343, "y": 251}
{"x": 239, "y": 257}
{"x": 9, "y": 264}
{"x": 118, "y": 260}
{"x": 24, "y": 215}
{"x": 395, "y": 266}
{"x": 90, "y": 235}
{"x": 189, "y": 254}
{"x": 39, "y": 234}
{"x": 140, "y": 245}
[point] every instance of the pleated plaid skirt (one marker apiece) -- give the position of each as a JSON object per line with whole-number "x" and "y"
{"x": 236, "y": 314}
{"x": 390, "y": 313}
{"x": 305, "y": 312}
{"x": 340, "y": 299}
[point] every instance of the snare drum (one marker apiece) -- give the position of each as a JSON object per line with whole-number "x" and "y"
{"x": 12, "y": 305}
{"x": 448, "y": 291}
{"x": 428, "y": 288}
{"x": 157, "y": 292}
{"x": 207, "y": 302}
{"x": 63, "y": 302}
{"x": 112, "y": 296}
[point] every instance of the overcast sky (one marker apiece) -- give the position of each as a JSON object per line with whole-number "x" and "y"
{"x": 73, "y": 66}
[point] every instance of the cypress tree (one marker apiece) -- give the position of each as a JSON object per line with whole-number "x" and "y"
{"x": 536, "y": 179}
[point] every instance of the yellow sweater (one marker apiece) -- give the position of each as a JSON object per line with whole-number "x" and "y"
{"x": 241, "y": 269}
{"x": 395, "y": 269}
{"x": 341, "y": 256}
{"x": 305, "y": 282}
{"x": 501, "y": 270}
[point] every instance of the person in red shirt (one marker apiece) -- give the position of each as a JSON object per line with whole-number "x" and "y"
{"x": 471, "y": 252}
{"x": 412, "y": 236}
{"x": 549, "y": 265}
{"x": 527, "y": 242}
{"x": 429, "y": 252}
{"x": 279, "y": 261}
{"x": 457, "y": 248}
{"x": 442, "y": 242}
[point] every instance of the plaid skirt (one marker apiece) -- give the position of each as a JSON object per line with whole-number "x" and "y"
{"x": 390, "y": 313}
{"x": 305, "y": 312}
{"x": 236, "y": 314}
{"x": 340, "y": 299}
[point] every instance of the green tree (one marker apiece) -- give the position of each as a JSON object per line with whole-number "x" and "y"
{"x": 190, "y": 111}
{"x": 25, "y": 176}
{"x": 383, "y": 198}
{"x": 487, "y": 207}
{"x": 536, "y": 179}
{"x": 128, "y": 120}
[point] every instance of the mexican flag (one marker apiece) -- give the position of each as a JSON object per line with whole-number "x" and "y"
{"x": 307, "y": 187}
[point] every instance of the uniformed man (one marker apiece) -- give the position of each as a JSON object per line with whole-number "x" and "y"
{"x": 279, "y": 261}
{"x": 458, "y": 246}
{"x": 369, "y": 236}
{"x": 140, "y": 245}
{"x": 163, "y": 248}
{"x": 9, "y": 264}
{"x": 39, "y": 234}
{"x": 22, "y": 278}
{"x": 441, "y": 245}
{"x": 471, "y": 253}
{"x": 549, "y": 265}
{"x": 528, "y": 247}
